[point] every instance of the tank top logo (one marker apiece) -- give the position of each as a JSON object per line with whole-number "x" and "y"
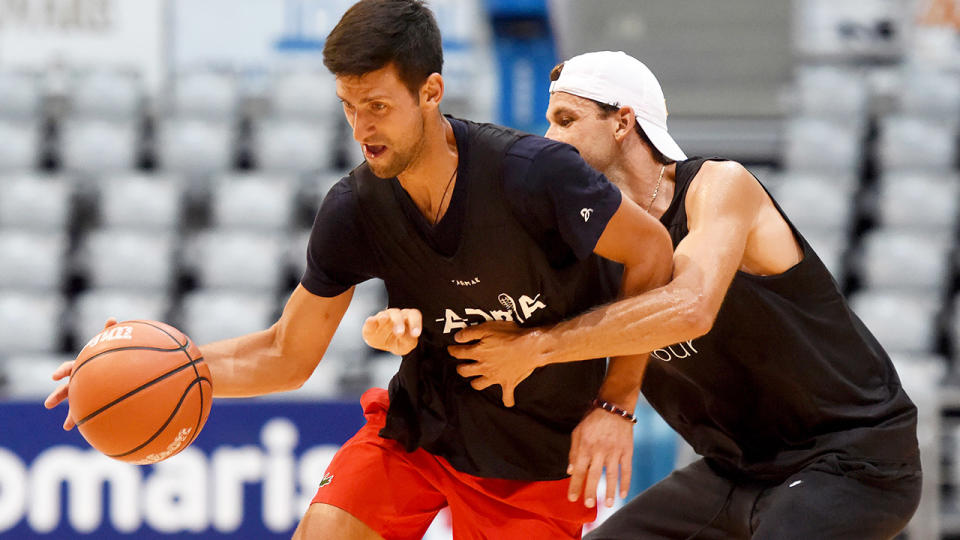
{"x": 676, "y": 351}
{"x": 517, "y": 311}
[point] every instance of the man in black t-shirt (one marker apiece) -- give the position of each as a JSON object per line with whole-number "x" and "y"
{"x": 757, "y": 360}
{"x": 464, "y": 223}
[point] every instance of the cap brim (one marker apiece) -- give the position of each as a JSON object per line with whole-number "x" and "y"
{"x": 662, "y": 140}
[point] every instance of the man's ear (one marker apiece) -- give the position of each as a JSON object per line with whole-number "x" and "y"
{"x": 431, "y": 91}
{"x": 625, "y": 123}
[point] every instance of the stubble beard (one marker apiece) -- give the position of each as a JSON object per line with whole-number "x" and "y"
{"x": 402, "y": 158}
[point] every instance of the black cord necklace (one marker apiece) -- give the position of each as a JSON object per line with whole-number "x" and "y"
{"x": 444, "y": 196}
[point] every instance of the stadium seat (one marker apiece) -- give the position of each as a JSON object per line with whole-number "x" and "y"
{"x": 294, "y": 146}
{"x": 195, "y": 147}
{"x": 124, "y": 259}
{"x": 107, "y": 94}
{"x": 297, "y": 252}
{"x": 93, "y": 307}
{"x": 208, "y": 315}
{"x": 30, "y": 323}
{"x": 237, "y": 260}
{"x": 20, "y": 97}
{"x": 816, "y": 202}
{"x": 930, "y": 93}
{"x": 253, "y": 202}
{"x": 930, "y": 201}
{"x": 833, "y": 92}
{"x": 28, "y": 375}
{"x": 913, "y": 142}
{"x": 31, "y": 260}
{"x": 903, "y": 322}
{"x": 821, "y": 144}
{"x": 304, "y": 95}
{"x": 20, "y": 150}
{"x": 205, "y": 95}
{"x": 137, "y": 201}
{"x": 905, "y": 259}
{"x": 96, "y": 147}
{"x": 41, "y": 203}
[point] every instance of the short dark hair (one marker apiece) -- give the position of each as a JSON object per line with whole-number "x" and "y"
{"x": 374, "y": 33}
{"x": 606, "y": 110}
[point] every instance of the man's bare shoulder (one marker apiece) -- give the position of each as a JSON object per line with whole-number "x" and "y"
{"x": 722, "y": 179}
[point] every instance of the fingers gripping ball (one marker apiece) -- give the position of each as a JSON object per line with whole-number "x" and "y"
{"x": 140, "y": 391}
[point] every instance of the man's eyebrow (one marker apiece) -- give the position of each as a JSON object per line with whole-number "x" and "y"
{"x": 367, "y": 99}
{"x": 560, "y": 110}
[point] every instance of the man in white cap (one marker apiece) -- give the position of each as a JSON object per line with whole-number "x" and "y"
{"x": 757, "y": 360}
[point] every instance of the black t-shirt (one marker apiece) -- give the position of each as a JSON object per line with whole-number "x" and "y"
{"x": 786, "y": 374}
{"x": 548, "y": 185}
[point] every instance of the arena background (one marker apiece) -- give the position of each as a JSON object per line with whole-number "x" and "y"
{"x": 149, "y": 147}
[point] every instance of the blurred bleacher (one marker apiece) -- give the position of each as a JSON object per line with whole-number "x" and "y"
{"x": 192, "y": 207}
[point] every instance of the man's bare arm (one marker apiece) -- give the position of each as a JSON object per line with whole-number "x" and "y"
{"x": 281, "y": 357}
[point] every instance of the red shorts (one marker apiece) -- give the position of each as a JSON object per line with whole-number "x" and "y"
{"x": 398, "y": 493}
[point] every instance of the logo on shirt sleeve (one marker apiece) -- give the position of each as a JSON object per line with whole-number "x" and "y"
{"x": 586, "y": 212}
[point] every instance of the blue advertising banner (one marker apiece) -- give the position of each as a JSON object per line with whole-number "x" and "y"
{"x": 250, "y": 474}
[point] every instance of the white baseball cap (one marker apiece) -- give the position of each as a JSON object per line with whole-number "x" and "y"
{"x": 620, "y": 80}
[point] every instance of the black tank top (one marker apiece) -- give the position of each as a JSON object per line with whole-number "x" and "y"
{"x": 786, "y": 374}
{"x": 498, "y": 272}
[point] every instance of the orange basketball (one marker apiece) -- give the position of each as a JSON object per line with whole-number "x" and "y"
{"x": 140, "y": 391}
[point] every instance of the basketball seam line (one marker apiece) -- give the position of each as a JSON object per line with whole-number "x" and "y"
{"x": 130, "y": 348}
{"x": 175, "y": 340}
{"x": 197, "y": 426}
{"x": 141, "y": 387}
{"x": 167, "y": 423}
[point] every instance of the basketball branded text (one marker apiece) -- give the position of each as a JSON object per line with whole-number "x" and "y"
{"x": 111, "y": 334}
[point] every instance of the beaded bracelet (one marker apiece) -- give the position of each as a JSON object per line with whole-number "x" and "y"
{"x": 610, "y": 407}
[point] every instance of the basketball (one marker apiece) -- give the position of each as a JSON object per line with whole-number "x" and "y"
{"x": 140, "y": 392}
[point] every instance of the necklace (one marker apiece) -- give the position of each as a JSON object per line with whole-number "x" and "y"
{"x": 656, "y": 190}
{"x": 444, "y": 196}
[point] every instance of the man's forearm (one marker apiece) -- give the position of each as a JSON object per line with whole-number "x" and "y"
{"x": 630, "y": 326}
{"x": 249, "y": 365}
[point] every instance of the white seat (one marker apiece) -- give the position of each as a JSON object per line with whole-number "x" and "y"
{"x": 28, "y": 374}
{"x": 204, "y": 94}
{"x": 912, "y": 142}
{"x": 237, "y": 260}
{"x": 905, "y": 259}
{"x": 32, "y": 260}
{"x": 253, "y": 202}
{"x": 42, "y": 203}
{"x": 294, "y": 145}
{"x": 304, "y": 94}
{"x": 124, "y": 259}
{"x": 96, "y": 146}
{"x": 369, "y": 298}
{"x": 106, "y": 93}
{"x": 297, "y": 252}
{"x": 93, "y": 307}
{"x": 195, "y": 147}
{"x": 139, "y": 201}
{"x": 208, "y": 315}
{"x": 912, "y": 200}
{"x": 832, "y": 91}
{"x": 903, "y": 322}
{"x": 20, "y": 150}
{"x": 816, "y": 202}
{"x": 932, "y": 93}
{"x": 19, "y": 96}
{"x": 30, "y": 323}
{"x": 821, "y": 144}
